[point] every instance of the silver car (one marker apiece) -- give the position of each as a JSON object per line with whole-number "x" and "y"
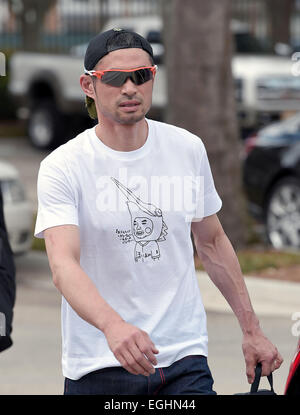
{"x": 17, "y": 209}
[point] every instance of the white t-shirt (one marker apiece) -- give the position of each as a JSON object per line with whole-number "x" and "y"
{"x": 134, "y": 211}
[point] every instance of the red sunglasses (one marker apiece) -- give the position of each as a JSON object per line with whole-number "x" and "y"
{"x": 118, "y": 77}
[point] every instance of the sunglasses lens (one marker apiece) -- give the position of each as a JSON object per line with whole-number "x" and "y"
{"x": 141, "y": 76}
{"x": 118, "y": 78}
{"x": 114, "y": 78}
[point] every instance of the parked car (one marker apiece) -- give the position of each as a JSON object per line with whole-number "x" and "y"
{"x": 48, "y": 94}
{"x": 271, "y": 176}
{"x": 292, "y": 386}
{"x": 17, "y": 209}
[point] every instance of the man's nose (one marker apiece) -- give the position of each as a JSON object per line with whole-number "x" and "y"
{"x": 129, "y": 87}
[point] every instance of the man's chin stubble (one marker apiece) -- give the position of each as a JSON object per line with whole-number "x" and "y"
{"x": 130, "y": 120}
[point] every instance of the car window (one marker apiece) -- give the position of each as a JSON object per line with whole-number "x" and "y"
{"x": 247, "y": 43}
{"x": 154, "y": 36}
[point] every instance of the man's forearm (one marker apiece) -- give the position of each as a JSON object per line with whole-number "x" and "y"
{"x": 82, "y": 295}
{"x": 221, "y": 264}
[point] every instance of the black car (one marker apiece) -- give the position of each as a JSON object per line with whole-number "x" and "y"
{"x": 271, "y": 176}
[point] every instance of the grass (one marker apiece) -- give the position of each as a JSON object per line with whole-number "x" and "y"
{"x": 251, "y": 261}
{"x": 254, "y": 260}
{"x": 12, "y": 128}
{"x": 38, "y": 244}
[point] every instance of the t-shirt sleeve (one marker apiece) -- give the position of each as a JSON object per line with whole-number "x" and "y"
{"x": 57, "y": 201}
{"x": 208, "y": 199}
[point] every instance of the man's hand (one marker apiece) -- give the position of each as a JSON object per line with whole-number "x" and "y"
{"x": 132, "y": 347}
{"x": 257, "y": 348}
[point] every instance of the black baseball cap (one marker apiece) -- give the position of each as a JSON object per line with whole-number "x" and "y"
{"x": 105, "y": 42}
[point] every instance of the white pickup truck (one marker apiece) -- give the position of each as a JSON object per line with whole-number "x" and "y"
{"x": 47, "y": 91}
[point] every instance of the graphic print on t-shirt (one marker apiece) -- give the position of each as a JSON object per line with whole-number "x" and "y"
{"x": 147, "y": 226}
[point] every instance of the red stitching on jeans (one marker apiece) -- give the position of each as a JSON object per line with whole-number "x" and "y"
{"x": 156, "y": 392}
{"x": 162, "y": 381}
{"x": 163, "y": 375}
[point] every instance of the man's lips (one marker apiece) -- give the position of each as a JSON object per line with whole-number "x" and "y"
{"x": 129, "y": 104}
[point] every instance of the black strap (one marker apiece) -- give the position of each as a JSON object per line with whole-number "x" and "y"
{"x": 255, "y": 384}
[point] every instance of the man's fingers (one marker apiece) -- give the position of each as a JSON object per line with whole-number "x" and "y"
{"x": 271, "y": 365}
{"x": 154, "y": 350}
{"x": 149, "y": 353}
{"x": 140, "y": 358}
{"x": 250, "y": 370}
{"x": 278, "y": 361}
{"x": 147, "y": 347}
{"x": 125, "y": 364}
{"x": 132, "y": 365}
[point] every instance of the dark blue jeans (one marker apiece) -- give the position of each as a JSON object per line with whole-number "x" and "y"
{"x": 188, "y": 376}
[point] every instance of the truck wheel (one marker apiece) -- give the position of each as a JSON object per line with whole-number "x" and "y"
{"x": 46, "y": 126}
{"x": 283, "y": 214}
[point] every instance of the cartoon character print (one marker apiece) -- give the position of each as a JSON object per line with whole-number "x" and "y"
{"x": 147, "y": 226}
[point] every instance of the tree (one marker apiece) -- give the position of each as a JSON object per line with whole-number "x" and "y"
{"x": 201, "y": 98}
{"x": 278, "y": 15}
{"x": 30, "y": 15}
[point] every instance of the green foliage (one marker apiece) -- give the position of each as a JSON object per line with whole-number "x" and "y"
{"x": 254, "y": 260}
{"x": 38, "y": 244}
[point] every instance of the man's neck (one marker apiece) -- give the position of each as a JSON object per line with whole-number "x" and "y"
{"x": 121, "y": 137}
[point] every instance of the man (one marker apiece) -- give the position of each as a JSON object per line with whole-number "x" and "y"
{"x": 120, "y": 249}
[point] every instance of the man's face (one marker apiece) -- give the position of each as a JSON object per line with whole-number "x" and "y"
{"x": 128, "y": 103}
{"x": 142, "y": 227}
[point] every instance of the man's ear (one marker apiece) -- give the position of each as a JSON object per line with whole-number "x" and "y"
{"x": 87, "y": 85}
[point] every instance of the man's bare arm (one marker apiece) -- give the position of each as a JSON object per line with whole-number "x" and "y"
{"x": 130, "y": 345}
{"x": 222, "y": 265}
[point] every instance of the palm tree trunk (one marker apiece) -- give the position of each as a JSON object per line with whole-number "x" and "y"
{"x": 198, "y": 45}
{"x": 279, "y": 15}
